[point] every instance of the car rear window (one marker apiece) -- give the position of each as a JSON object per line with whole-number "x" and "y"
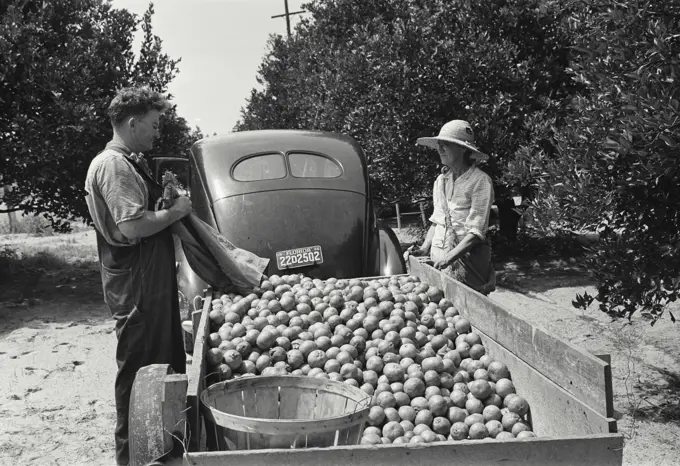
{"x": 260, "y": 167}
{"x": 304, "y": 165}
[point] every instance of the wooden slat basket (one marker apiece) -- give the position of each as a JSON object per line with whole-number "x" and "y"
{"x": 259, "y": 412}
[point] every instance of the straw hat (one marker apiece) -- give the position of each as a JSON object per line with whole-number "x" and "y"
{"x": 457, "y": 132}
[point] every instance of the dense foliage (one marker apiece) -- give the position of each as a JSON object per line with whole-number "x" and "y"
{"x": 576, "y": 102}
{"x": 389, "y": 71}
{"x": 61, "y": 62}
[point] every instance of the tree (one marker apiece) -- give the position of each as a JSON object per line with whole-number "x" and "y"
{"x": 388, "y": 71}
{"x": 62, "y": 62}
{"x": 576, "y": 102}
{"x": 616, "y": 169}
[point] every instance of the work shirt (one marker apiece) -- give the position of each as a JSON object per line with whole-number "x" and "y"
{"x": 116, "y": 193}
{"x": 469, "y": 199}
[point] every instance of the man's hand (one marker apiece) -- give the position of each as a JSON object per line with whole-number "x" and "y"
{"x": 183, "y": 206}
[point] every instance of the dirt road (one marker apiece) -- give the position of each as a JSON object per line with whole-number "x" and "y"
{"x": 57, "y": 370}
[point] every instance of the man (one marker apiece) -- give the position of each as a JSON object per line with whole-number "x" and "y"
{"x": 135, "y": 246}
{"x": 462, "y": 197}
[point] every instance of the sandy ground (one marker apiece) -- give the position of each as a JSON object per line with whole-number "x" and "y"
{"x": 57, "y": 365}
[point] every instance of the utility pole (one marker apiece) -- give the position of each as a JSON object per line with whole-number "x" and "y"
{"x": 287, "y": 14}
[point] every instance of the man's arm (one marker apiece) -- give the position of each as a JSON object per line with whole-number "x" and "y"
{"x": 126, "y": 200}
{"x": 151, "y": 222}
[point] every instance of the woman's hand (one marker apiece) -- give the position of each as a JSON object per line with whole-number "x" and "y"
{"x": 414, "y": 251}
{"x": 445, "y": 262}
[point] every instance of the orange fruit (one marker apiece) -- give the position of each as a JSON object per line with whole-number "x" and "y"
{"x": 463, "y": 326}
{"x": 432, "y": 378}
{"x": 323, "y": 343}
{"x": 477, "y": 351}
{"x": 382, "y": 387}
{"x": 332, "y": 365}
{"x": 225, "y": 372}
{"x": 508, "y": 398}
{"x": 215, "y": 356}
{"x": 374, "y": 363}
{"x": 417, "y": 439}
{"x": 481, "y": 374}
{"x": 486, "y": 360}
{"x": 214, "y": 340}
{"x": 408, "y": 427}
{"x": 478, "y": 431}
{"x": 458, "y": 398}
{"x": 366, "y": 387}
{"x": 429, "y": 436}
{"x": 424, "y": 416}
{"x": 493, "y": 400}
{"x": 504, "y": 387}
{"x": 497, "y": 371}
{"x": 397, "y": 387}
{"x": 526, "y": 434}
{"x": 295, "y": 358}
{"x": 307, "y": 346}
{"x": 350, "y": 371}
{"x": 414, "y": 387}
{"x": 263, "y": 362}
{"x": 407, "y": 413}
{"x": 386, "y": 400}
{"x": 441, "y": 425}
{"x": 371, "y": 439}
{"x": 437, "y": 405}
{"x": 344, "y": 357}
{"x": 518, "y": 405}
{"x": 332, "y": 352}
{"x": 393, "y": 430}
{"x": 394, "y": 372}
{"x": 456, "y": 414}
{"x": 420, "y": 428}
{"x": 391, "y": 415}
{"x": 406, "y": 363}
{"x": 492, "y": 413}
{"x": 474, "y": 406}
{"x": 277, "y": 354}
{"x": 265, "y": 340}
{"x": 233, "y": 359}
{"x": 494, "y": 428}
{"x": 463, "y": 349}
{"x": 371, "y": 377}
{"x": 480, "y": 389}
{"x": 459, "y": 431}
{"x": 434, "y": 363}
{"x": 504, "y": 436}
{"x": 519, "y": 427}
{"x": 510, "y": 419}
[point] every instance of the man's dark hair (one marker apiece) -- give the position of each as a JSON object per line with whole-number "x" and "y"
{"x": 135, "y": 101}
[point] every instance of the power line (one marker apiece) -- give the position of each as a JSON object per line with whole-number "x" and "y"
{"x": 288, "y": 14}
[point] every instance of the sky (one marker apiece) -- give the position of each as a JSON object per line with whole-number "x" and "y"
{"x": 221, "y": 44}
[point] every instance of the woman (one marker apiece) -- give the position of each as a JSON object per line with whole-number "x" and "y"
{"x": 463, "y": 195}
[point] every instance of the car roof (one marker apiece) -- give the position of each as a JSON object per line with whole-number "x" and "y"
{"x": 216, "y": 156}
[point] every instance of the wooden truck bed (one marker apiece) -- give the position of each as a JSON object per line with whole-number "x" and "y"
{"x": 569, "y": 391}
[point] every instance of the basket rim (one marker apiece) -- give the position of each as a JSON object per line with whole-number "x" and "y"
{"x": 359, "y": 412}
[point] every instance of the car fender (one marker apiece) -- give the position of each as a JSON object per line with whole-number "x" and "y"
{"x": 189, "y": 284}
{"x": 390, "y": 256}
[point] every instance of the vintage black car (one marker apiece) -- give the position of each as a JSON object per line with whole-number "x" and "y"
{"x": 300, "y": 198}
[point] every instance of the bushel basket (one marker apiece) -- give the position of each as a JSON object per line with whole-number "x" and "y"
{"x": 288, "y": 411}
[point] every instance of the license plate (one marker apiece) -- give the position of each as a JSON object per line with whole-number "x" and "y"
{"x": 293, "y": 258}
